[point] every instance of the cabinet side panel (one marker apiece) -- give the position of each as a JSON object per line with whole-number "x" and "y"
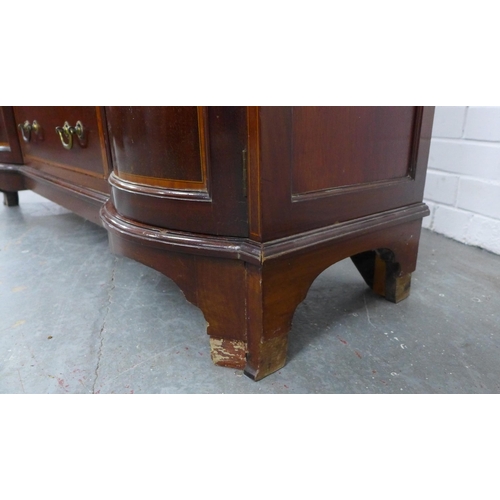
{"x": 344, "y": 146}
{"x": 323, "y": 166}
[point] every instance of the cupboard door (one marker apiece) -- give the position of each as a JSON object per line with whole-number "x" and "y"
{"x": 324, "y": 165}
{"x": 180, "y": 167}
{"x": 77, "y": 154}
{"x": 10, "y": 151}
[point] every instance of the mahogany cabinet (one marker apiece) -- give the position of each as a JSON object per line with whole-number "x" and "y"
{"x": 63, "y": 155}
{"x": 243, "y": 207}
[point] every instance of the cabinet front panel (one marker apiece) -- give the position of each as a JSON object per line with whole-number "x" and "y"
{"x": 159, "y": 145}
{"x": 344, "y": 146}
{"x": 44, "y": 147}
{"x": 180, "y": 168}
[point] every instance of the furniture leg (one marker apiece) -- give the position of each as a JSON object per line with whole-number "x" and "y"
{"x": 248, "y": 292}
{"x": 10, "y": 198}
{"x": 384, "y": 274}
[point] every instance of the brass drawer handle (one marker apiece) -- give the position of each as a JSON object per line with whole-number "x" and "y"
{"x": 66, "y": 133}
{"x": 26, "y": 128}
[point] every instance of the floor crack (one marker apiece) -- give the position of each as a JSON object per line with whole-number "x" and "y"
{"x": 101, "y": 331}
{"x": 21, "y": 380}
{"x": 367, "y": 312}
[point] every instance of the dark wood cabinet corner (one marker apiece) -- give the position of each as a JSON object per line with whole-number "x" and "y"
{"x": 243, "y": 207}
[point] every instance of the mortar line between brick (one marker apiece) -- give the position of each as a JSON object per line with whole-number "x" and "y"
{"x": 465, "y": 121}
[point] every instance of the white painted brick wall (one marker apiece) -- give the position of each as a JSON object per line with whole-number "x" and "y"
{"x": 463, "y": 180}
{"x": 483, "y": 123}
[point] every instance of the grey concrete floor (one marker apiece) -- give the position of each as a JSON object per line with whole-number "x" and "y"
{"x": 76, "y": 319}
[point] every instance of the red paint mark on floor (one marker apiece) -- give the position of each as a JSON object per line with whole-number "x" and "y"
{"x": 62, "y": 384}
{"x": 343, "y": 341}
{"x": 358, "y": 354}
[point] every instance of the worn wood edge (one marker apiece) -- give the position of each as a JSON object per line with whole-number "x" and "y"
{"x": 158, "y": 192}
{"x": 249, "y": 250}
{"x": 274, "y": 351}
{"x": 230, "y": 353}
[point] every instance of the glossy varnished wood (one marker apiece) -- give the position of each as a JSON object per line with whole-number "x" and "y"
{"x": 339, "y": 146}
{"x": 277, "y": 211}
{"x": 83, "y": 165}
{"x": 160, "y": 145}
{"x": 10, "y": 150}
{"x": 244, "y": 207}
{"x": 221, "y": 209}
{"x": 249, "y": 291}
{"x": 11, "y": 181}
{"x": 4, "y": 138}
{"x": 76, "y": 178}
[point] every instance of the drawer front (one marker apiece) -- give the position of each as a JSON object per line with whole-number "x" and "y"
{"x": 47, "y": 145}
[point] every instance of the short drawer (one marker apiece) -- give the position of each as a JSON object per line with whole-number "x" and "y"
{"x": 71, "y": 138}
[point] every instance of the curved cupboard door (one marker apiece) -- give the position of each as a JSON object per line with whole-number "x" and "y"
{"x": 10, "y": 151}
{"x": 180, "y": 167}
